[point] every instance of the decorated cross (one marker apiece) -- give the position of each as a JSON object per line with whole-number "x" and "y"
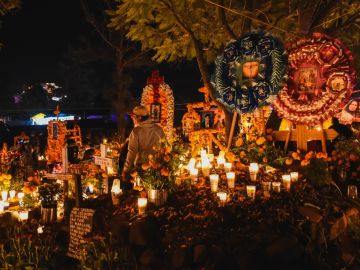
{"x": 302, "y": 134}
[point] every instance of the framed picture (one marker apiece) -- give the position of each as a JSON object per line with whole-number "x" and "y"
{"x": 155, "y": 112}
{"x": 307, "y": 80}
{"x": 207, "y": 119}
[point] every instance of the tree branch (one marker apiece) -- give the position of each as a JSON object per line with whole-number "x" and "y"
{"x": 223, "y": 20}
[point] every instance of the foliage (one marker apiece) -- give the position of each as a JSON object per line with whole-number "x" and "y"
{"x": 159, "y": 170}
{"x": 259, "y": 148}
{"x": 5, "y": 181}
{"x": 170, "y": 27}
{"x": 29, "y": 201}
{"x": 316, "y": 169}
{"x": 48, "y": 193}
{"x": 104, "y": 253}
{"x": 25, "y": 249}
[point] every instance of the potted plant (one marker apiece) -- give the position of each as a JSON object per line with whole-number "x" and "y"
{"x": 159, "y": 170}
{"x": 48, "y": 193}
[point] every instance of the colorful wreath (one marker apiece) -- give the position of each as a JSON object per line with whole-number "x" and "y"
{"x": 321, "y": 78}
{"x": 250, "y": 72}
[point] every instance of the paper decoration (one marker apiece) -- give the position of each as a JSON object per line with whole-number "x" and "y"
{"x": 250, "y": 72}
{"x": 321, "y": 79}
{"x": 158, "y": 97}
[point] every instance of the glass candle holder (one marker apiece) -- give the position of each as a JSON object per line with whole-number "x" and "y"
{"x": 286, "y": 178}
{"x": 352, "y": 191}
{"x": 251, "y": 190}
{"x": 23, "y": 215}
{"x": 12, "y": 194}
{"x": 227, "y": 166}
{"x": 205, "y": 170}
{"x": 2, "y": 206}
{"x": 142, "y": 203}
{"x": 294, "y": 176}
{"x": 253, "y": 170}
{"x": 194, "y": 175}
{"x": 4, "y": 195}
{"x": 230, "y": 179}
{"x": 220, "y": 161}
{"x": 276, "y": 186}
{"x": 214, "y": 182}
{"x": 222, "y": 197}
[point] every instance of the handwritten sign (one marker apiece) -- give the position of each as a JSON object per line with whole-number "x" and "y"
{"x": 81, "y": 221}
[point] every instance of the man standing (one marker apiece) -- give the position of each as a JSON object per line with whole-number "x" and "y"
{"x": 143, "y": 137}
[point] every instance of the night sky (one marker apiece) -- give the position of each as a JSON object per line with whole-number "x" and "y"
{"x": 36, "y": 37}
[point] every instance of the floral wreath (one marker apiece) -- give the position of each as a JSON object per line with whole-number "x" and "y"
{"x": 250, "y": 72}
{"x": 321, "y": 78}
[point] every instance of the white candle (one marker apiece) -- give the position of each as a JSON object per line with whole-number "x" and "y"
{"x": 24, "y": 215}
{"x": 276, "y": 186}
{"x": 227, "y": 166}
{"x": 214, "y": 181}
{"x": 91, "y": 188}
{"x": 220, "y": 161}
{"x": 12, "y": 194}
{"x": 251, "y": 190}
{"x": 222, "y": 196}
{"x": 20, "y": 197}
{"x": 211, "y": 157}
{"x": 294, "y": 176}
{"x": 2, "y": 206}
{"x": 286, "y": 181}
{"x": 191, "y": 164}
{"x": 4, "y": 195}
{"x": 40, "y": 229}
{"x": 115, "y": 188}
{"x": 230, "y": 179}
{"x": 253, "y": 170}
{"x": 194, "y": 174}
{"x": 142, "y": 202}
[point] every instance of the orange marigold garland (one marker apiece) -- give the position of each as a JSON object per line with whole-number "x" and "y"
{"x": 158, "y": 97}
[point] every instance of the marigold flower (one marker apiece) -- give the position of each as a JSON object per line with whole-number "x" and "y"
{"x": 167, "y": 158}
{"x": 145, "y": 166}
{"x": 260, "y": 141}
{"x": 239, "y": 142}
{"x": 289, "y": 161}
{"x": 305, "y": 162}
{"x": 164, "y": 172}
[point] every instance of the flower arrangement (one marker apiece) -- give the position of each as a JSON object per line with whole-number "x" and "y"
{"x": 259, "y": 148}
{"x": 159, "y": 170}
{"x": 48, "y": 193}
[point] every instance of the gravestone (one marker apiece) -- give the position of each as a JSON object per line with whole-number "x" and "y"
{"x": 81, "y": 224}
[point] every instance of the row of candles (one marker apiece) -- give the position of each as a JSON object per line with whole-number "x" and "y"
{"x": 4, "y": 203}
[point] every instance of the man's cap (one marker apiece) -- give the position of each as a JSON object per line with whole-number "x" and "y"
{"x": 140, "y": 111}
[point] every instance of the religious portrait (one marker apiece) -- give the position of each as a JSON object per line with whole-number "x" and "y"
{"x": 207, "y": 119}
{"x": 338, "y": 83}
{"x": 155, "y": 112}
{"x": 307, "y": 80}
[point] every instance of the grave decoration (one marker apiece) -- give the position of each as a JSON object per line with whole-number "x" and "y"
{"x": 250, "y": 72}
{"x": 350, "y": 114}
{"x": 58, "y": 135}
{"x": 158, "y": 98}
{"x": 203, "y": 124}
{"x": 321, "y": 79}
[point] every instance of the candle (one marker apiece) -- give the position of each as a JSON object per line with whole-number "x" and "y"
{"x": 2, "y": 206}
{"x": 40, "y": 229}
{"x": 253, "y": 169}
{"x": 220, "y": 161}
{"x": 250, "y": 189}
{"x": 294, "y": 176}
{"x": 110, "y": 170}
{"x": 211, "y": 157}
{"x": 12, "y": 194}
{"x": 230, "y": 179}
{"x": 286, "y": 181}
{"x": 115, "y": 188}
{"x": 227, "y": 166}
{"x": 191, "y": 164}
{"x": 6, "y": 205}
{"x": 4, "y": 195}
{"x": 194, "y": 174}
{"x": 142, "y": 202}
{"x": 276, "y": 186}
{"x": 24, "y": 215}
{"x": 222, "y": 196}
{"x": 91, "y": 188}
{"x": 214, "y": 181}
{"x": 20, "y": 197}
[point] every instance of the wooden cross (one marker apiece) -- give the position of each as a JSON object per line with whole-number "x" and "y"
{"x": 302, "y": 135}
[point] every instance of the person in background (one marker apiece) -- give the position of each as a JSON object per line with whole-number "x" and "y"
{"x": 144, "y": 136}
